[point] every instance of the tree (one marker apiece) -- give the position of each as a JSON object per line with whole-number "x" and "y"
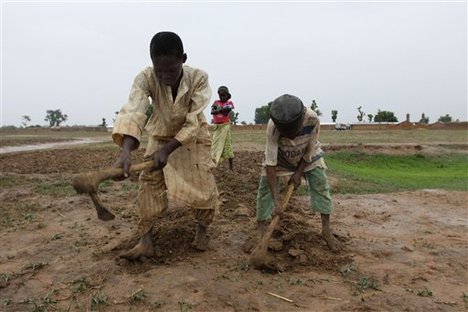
{"x": 314, "y": 107}
{"x": 103, "y": 124}
{"x": 361, "y": 114}
{"x": 262, "y": 114}
{"x": 113, "y": 119}
{"x": 370, "y": 116}
{"x": 234, "y": 117}
{"x": 25, "y": 119}
{"x": 446, "y": 118}
{"x": 55, "y": 117}
{"x": 334, "y": 115}
{"x": 243, "y": 123}
{"x": 385, "y": 116}
{"x": 424, "y": 119}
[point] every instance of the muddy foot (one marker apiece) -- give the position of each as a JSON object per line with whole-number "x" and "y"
{"x": 331, "y": 241}
{"x": 200, "y": 245}
{"x": 200, "y": 242}
{"x": 140, "y": 250}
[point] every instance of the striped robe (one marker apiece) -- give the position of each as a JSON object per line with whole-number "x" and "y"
{"x": 187, "y": 178}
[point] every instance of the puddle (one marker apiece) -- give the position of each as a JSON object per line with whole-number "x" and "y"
{"x": 34, "y": 147}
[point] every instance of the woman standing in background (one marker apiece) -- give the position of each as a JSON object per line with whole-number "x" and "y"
{"x": 221, "y": 109}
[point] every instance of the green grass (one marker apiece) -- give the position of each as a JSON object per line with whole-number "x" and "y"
{"x": 357, "y": 172}
{"x": 415, "y": 136}
{"x": 60, "y": 187}
{"x": 9, "y": 181}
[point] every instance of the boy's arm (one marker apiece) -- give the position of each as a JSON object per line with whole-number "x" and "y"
{"x": 310, "y": 149}
{"x": 271, "y": 160}
{"x": 161, "y": 156}
{"x": 297, "y": 175}
{"x": 124, "y": 160}
{"x": 198, "y": 102}
{"x": 128, "y": 126}
{"x": 271, "y": 178}
{"x": 132, "y": 117}
{"x": 188, "y": 133}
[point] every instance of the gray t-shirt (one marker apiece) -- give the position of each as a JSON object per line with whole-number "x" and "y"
{"x": 286, "y": 153}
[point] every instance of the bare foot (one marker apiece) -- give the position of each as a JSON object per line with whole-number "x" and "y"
{"x": 201, "y": 241}
{"x": 144, "y": 248}
{"x": 334, "y": 244}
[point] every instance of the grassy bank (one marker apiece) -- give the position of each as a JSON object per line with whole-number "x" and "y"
{"x": 357, "y": 172}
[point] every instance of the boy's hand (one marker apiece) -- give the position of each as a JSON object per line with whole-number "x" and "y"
{"x": 295, "y": 179}
{"x": 159, "y": 160}
{"x": 278, "y": 209}
{"x": 161, "y": 156}
{"x": 123, "y": 161}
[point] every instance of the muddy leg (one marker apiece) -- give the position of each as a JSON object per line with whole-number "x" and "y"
{"x": 200, "y": 241}
{"x": 144, "y": 248}
{"x": 327, "y": 234}
{"x": 203, "y": 217}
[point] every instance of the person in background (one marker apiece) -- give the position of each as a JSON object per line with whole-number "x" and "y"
{"x": 221, "y": 110}
{"x": 293, "y": 150}
{"x": 178, "y": 141}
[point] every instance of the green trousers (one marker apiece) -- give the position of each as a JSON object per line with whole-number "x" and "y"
{"x": 319, "y": 191}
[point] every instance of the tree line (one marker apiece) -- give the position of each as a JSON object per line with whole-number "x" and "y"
{"x": 262, "y": 115}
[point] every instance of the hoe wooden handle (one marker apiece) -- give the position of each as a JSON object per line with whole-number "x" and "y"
{"x": 275, "y": 220}
{"x": 258, "y": 256}
{"x": 89, "y": 182}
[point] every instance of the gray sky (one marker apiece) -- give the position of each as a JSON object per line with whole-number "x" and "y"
{"x": 82, "y": 57}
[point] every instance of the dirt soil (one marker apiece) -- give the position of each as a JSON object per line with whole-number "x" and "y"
{"x": 404, "y": 251}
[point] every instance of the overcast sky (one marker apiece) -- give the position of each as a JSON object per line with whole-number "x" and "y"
{"x": 82, "y": 57}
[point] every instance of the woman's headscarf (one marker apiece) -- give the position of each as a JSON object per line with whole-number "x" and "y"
{"x": 226, "y": 90}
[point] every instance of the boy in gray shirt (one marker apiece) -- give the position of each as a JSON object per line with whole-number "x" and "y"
{"x": 293, "y": 149}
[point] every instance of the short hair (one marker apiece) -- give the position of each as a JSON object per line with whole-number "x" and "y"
{"x": 166, "y": 43}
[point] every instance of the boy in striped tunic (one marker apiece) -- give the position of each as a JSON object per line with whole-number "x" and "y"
{"x": 293, "y": 149}
{"x": 178, "y": 141}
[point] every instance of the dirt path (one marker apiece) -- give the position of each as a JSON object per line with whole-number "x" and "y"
{"x": 405, "y": 251}
{"x": 41, "y": 146}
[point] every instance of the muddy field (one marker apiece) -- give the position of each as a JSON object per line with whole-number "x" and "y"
{"x": 404, "y": 251}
